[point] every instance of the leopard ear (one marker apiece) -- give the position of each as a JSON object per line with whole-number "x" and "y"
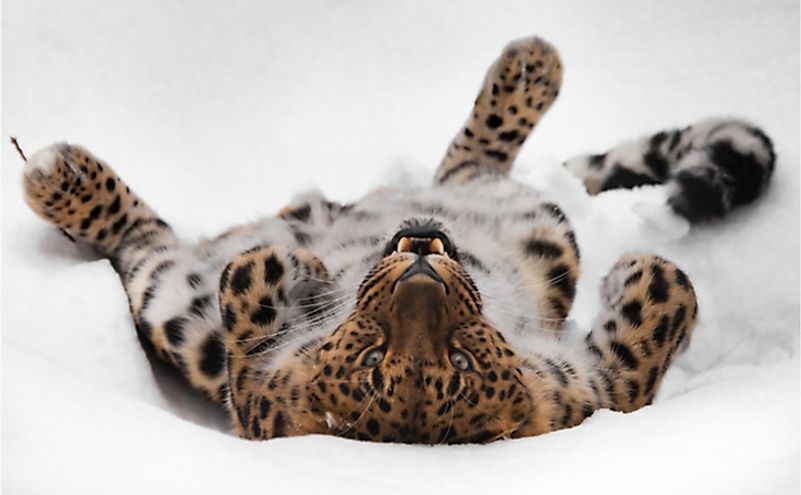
{"x": 518, "y": 89}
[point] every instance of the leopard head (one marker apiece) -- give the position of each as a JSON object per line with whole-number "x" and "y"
{"x": 416, "y": 361}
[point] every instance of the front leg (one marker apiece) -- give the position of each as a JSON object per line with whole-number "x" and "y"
{"x": 649, "y": 311}
{"x": 265, "y": 295}
{"x": 649, "y": 314}
{"x": 518, "y": 89}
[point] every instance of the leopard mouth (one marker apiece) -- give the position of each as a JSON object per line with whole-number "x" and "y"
{"x": 421, "y": 240}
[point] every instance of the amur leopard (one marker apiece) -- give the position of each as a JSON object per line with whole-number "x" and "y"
{"x": 427, "y": 315}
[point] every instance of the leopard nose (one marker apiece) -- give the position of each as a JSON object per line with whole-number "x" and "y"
{"x": 421, "y": 267}
{"x": 418, "y": 316}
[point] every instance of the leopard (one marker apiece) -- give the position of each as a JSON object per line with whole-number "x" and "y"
{"x": 431, "y": 314}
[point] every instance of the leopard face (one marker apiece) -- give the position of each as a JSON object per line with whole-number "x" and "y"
{"x": 416, "y": 361}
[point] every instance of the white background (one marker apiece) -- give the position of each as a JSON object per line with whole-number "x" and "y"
{"x": 217, "y": 112}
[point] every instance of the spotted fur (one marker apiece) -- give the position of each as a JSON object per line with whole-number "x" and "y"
{"x": 710, "y": 167}
{"x": 429, "y": 315}
{"x": 518, "y": 89}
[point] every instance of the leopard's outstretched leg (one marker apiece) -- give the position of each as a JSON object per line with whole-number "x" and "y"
{"x": 68, "y": 187}
{"x": 649, "y": 310}
{"x": 518, "y": 89}
{"x": 710, "y": 167}
{"x": 171, "y": 286}
{"x": 270, "y": 299}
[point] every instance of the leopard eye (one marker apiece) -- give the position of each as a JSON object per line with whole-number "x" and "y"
{"x": 460, "y": 361}
{"x": 373, "y": 357}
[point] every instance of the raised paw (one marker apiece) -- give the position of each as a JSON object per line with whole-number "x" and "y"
{"x": 649, "y": 313}
{"x": 264, "y": 290}
{"x": 518, "y": 89}
{"x": 267, "y": 297}
{"x": 52, "y": 180}
{"x": 70, "y": 188}
{"x": 524, "y": 80}
{"x": 648, "y": 280}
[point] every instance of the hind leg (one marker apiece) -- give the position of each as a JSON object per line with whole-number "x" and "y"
{"x": 171, "y": 286}
{"x": 69, "y": 188}
{"x": 518, "y": 89}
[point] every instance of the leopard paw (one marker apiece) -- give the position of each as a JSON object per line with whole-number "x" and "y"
{"x": 518, "y": 89}
{"x": 68, "y": 187}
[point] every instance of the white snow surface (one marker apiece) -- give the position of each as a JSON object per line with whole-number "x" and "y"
{"x": 217, "y": 112}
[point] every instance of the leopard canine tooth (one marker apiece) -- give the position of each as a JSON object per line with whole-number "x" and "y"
{"x": 436, "y": 246}
{"x": 404, "y": 245}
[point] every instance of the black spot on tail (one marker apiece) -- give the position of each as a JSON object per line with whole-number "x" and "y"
{"x": 699, "y": 195}
{"x": 626, "y": 179}
{"x": 656, "y": 164}
{"x": 596, "y": 161}
{"x": 746, "y": 173}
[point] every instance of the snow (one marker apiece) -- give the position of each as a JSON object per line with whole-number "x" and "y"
{"x": 217, "y": 112}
